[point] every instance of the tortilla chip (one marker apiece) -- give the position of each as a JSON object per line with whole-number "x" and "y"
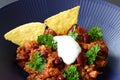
{"x": 26, "y": 32}
{"x": 63, "y": 21}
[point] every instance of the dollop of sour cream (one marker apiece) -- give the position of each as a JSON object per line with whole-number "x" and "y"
{"x": 68, "y": 49}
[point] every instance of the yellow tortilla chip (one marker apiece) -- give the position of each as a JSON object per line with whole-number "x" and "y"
{"x": 63, "y": 21}
{"x": 26, "y": 32}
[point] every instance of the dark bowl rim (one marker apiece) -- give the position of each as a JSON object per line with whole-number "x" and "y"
{"x": 101, "y": 1}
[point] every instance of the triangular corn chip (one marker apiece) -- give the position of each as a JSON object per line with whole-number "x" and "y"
{"x": 26, "y": 32}
{"x": 63, "y": 21}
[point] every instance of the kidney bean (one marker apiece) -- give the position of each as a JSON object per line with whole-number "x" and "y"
{"x": 44, "y": 53}
{"x": 85, "y": 38}
{"x": 60, "y": 77}
{"x": 80, "y": 59}
{"x": 57, "y": 61}
{"x": 27, "y": 50}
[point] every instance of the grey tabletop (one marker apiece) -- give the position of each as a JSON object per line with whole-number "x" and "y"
{"x": 116, "y": 2}
{"x": 6, "y": 2}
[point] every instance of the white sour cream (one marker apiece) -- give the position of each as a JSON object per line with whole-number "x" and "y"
{"x": 68, "y": 49}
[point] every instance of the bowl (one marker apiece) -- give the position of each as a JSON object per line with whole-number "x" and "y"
{"x": 92, "y": 12}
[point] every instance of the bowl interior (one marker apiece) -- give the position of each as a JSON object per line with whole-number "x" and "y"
{"x": 92, "y": 13}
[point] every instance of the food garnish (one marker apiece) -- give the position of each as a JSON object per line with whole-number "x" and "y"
{"x": 71, "y": 73}
{"x": 55, "y": 45}
{"x": 47, "y": 39}
{"x": 68, "y": 49}
{"x": 73, "y": 33}
{"x": 37, "y": 63}
{"x": 91, "y": 54}
{"x": 95, "y": 33}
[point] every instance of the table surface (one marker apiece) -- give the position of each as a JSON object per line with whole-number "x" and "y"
{"x": 5, "y": 2}
{"x": 116, "y": 2}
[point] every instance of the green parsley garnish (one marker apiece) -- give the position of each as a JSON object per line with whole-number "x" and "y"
{"x": 37, "y": 63}
{"x": 95, "y": 33}
{"x": 73, "y": 34}
{"x": 54, "y": 45}
{"x": 71, "y": 73}
{"x": 47, "y": 39}
{"x": 92, "y": 53}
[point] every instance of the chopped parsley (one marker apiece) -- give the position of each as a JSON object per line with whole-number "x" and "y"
{"x": 92, "y": 53}
{"x": 37, "y": 63}
{"x": 71, "y": 73}
{"x": 47, "y": 39}
{"x": 54, "y": 45}
{"x": 73, "y": 34}
{"x": 95, "y": 33}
